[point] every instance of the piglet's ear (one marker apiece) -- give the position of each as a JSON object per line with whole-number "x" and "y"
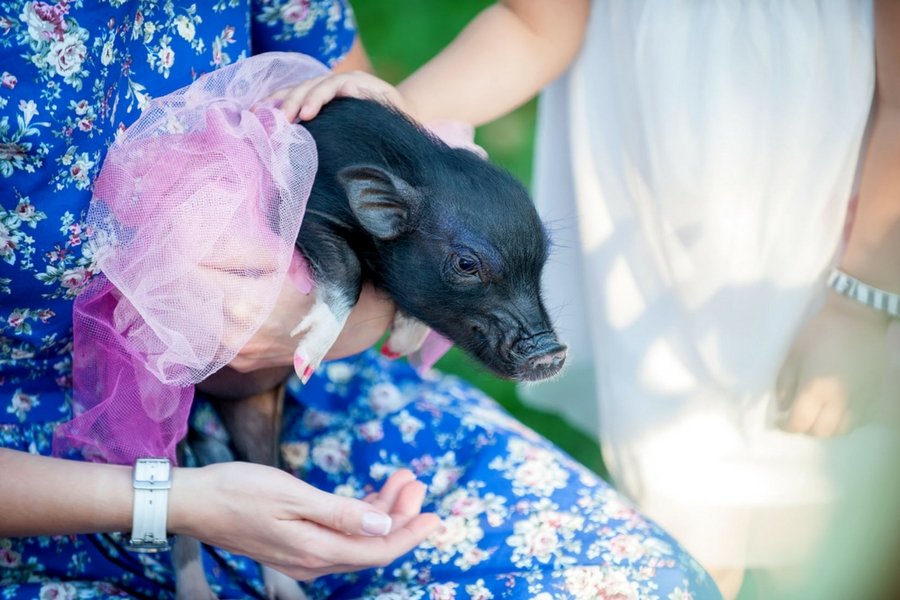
{"x": 383, "y": 203}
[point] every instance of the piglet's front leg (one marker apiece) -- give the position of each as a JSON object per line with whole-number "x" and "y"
{"x": 338, "y": 278}
{"x": 317, "y": 332}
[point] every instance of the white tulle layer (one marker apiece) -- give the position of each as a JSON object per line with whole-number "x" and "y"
{"x": 696, "y": 165}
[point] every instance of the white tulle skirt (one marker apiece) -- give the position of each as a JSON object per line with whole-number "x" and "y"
{"x": 695, "y": 166}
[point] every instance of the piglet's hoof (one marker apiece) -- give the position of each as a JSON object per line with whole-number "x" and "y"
{"x": 317, "y": 332}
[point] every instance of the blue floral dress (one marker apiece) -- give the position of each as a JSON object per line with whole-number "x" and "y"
{"x": 521, "y": 519}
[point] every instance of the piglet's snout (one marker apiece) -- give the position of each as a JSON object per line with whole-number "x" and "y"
{"x": 544, "y": 356}
{"x": 546, "y": 365}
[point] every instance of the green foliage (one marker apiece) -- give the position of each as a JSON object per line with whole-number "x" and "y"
{"x": 401, "y": 35}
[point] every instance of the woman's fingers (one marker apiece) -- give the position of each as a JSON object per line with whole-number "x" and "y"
{"x": 338, "y": 553}
{"x": 376, "y": 551}
{"x": 306, "y": 85}
{"x": 309, "y": 96}
{"x": 409, "y": 500}
{"x": 828, "y": 423}
{"x": 338, "y": 86}
{"x": 312, "y": 102}
{"x": 820, "y": 407}
{"x": 384, "y": 499}
{"x": 401, "y": 498}
{"x": 303, "y": 102}
{"x": 375, "y": 538}
{"x": 833, "y": 400}
{"x": 840, "y": 356}
{"x": 408, "y": 504}
{"x": 292, "y": 98}
{"x": 345, "y": 515}
{"x": 804, "y": 411}
{"x": 303, "y": 105}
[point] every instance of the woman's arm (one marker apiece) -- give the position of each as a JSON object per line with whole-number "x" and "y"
{"x": 48, "y": 496}
{"x": 873, "y": 251}
{"x": 833, "y": 375}
{"x": 500, "y": 60}
{"x": 257, "y": 511}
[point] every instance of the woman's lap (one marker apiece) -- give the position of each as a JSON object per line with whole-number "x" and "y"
{"x": 521, "y": 518}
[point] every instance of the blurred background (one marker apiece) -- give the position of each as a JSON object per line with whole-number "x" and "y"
{"x": 858, "y": 555}
{"x": 401, "y": 35}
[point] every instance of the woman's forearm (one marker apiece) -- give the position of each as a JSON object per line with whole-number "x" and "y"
{"x": 500, "y": 60}
{"x": 260, "y": 512}
{"x": 51, "y": 496}
{"x": 873, "y": 251}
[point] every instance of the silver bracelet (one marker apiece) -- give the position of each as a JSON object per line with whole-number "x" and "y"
{"x": 872, "y": 297}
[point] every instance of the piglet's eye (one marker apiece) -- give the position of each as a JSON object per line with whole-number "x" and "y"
{"x": 466, "y": 264}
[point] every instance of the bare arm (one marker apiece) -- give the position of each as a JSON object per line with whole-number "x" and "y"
{"x": 873, "y": 252}
{"x": 831, "y": 380}
{"x": 503, "y": 57}
{"x": 500, "y": 60}
{"x": 257, "y": 511}
{"x": 46, "y": 496}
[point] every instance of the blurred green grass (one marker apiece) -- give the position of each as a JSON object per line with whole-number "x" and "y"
{"x": 401, "y": 35}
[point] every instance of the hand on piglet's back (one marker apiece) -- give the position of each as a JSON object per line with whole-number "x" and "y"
{"x": 303, "y": 102}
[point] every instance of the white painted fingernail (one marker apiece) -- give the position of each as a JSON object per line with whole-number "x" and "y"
{"x": 375, "y": 523}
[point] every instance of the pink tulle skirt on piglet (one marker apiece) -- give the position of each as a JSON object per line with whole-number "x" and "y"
{"x": 193, "y": 224}
{"x": 192, "y": 229}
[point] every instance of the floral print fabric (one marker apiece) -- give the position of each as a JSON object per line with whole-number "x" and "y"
{"x": 73, "y": 74}
{"x": 521, "y": 519}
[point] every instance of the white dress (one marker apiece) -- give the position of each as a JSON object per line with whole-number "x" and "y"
{"x": 695, "y": 166}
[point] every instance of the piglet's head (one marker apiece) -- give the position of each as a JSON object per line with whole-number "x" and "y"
{"x": 462, "y": 249}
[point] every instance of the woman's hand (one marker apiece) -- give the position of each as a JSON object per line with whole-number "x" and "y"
{"x": 837, "y": 366}
{"x": 834, "y": 370}
{"x": 284, "y": 523}
{"x": 273, "y": 346}
{"x": 304, "y": 101}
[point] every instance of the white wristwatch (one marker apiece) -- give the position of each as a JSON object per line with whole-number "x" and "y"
{"x": 152, "y": 481}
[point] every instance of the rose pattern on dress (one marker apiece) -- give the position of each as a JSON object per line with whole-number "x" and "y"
{"x": 520, "y": 519}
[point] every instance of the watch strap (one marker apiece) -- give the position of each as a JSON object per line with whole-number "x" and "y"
{"x": 151, "y": 482}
